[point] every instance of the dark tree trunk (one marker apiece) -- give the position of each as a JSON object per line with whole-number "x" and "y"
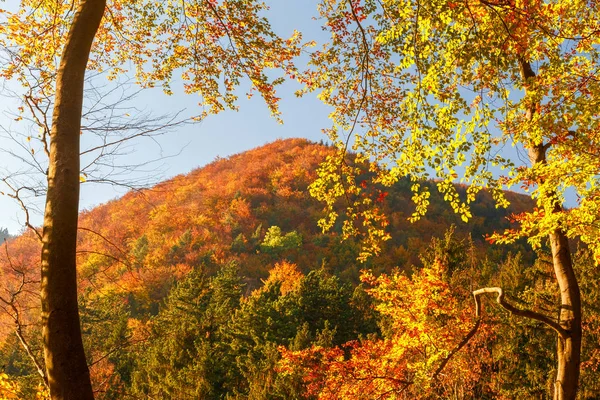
{"x": 67, "y": 371}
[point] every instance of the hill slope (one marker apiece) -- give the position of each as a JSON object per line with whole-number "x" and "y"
{"x": 222, "y": 212}
{"x": 142, "y": 242}
{"x": 252, "y": 210}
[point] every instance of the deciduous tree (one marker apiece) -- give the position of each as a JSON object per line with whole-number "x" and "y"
{"x": 438, "y": 89}
{"x": 425, "y": 326}
{"x": 214, "y": 43}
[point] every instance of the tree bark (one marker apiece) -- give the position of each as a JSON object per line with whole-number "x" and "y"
{"x": 67, "y": 370}
{"x": 569, "y": 345}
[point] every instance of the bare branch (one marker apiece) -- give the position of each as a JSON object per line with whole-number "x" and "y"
{"x": 15, "y": 315}
{"x": 517, "y": 311}
{"x": 16, "y": 195}
{"x": 38, "y": 366}
{"x": 509, "y": 307}
{"x": 462, "y": 344}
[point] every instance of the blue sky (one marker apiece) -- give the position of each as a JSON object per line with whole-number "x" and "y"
{"x": 192, "y": 146}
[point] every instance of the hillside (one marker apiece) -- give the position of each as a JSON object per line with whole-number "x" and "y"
{"x": 251, "y": 209}
{"x": 141, "y": 243}
{"x": 222, "y": 212}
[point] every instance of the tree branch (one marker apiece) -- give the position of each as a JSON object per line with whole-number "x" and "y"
{"x": 517, "y": 311}
{"x": 12, "y": 303}
{"x": 462, "y": 344}
{"x": 510, "y": 308}
{"x": 38, "y": 366}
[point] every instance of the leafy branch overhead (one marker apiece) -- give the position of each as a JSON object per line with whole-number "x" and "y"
{"x": 213, "y": 45}
{"x": 442, "y": 90}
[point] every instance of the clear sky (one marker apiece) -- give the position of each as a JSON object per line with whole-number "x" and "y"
{"x": 192, "y": 146}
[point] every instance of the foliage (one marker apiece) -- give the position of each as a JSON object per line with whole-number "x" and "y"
{"x": 286, "y": 275}
{"x": 437, "y": 89}
{"x": 156, "y": 276}
{"x": 423, "y": 319}
{"x": 9, "y": 389}
{"x": 108, "y": 341}
{"x": 186, "y": 356}
{"x": 208, "y": 43}
{"x": 315, "y": 309}
{"x": 590, "y": 366}
{"x": 207, "y": 341}
{"x": 275, "y": 242}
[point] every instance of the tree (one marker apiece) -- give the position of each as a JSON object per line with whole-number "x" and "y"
{"x": 437, "y": 89}
{"x": 186, "y": 356}
{"x": 4, "y": 235}
{"x": 275, "y": 242}
{"x": 292, "y": 310}
{"x": 425, "y": 325}
{"x": 206, "y": 40}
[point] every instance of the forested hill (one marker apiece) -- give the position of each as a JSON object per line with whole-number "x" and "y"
{"x": 253, "y": 208}
{"x": 251, "y": 212}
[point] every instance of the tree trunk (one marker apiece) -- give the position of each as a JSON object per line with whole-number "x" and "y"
{"x": 67, "y": 371}
{"x": 569, "y": 347}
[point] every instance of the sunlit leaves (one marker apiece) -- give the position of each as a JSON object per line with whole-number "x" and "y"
{"x": 424, "y": 323}
{"x": 340, "y": 178}
{"x": 434, "y": 90}
{"x": 212, "y": 45}
{"x": 9, "y": 389}
{"x": 275, "y": 241}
